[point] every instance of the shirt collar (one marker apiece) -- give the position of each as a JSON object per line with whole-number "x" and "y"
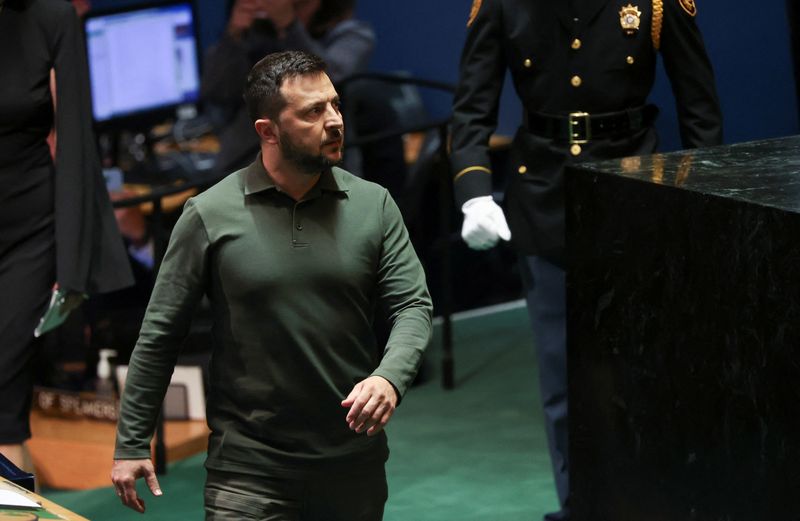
{"x": 257, "y": 179}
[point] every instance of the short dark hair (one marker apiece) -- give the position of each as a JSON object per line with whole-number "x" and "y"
{"x": 262, "y": 93}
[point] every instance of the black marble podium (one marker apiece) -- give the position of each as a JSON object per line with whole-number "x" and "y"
{"x": 683, "y": 295}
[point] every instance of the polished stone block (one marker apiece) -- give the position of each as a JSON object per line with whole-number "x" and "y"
{"x": 684, "y": 335}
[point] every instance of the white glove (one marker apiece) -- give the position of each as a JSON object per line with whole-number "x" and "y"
{"x": 484, "y": 223}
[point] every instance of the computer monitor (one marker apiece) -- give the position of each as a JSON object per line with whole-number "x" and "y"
{"x": 143, "y": 63}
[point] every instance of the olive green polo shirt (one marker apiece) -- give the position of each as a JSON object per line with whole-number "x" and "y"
{"x": 293, "y": 288}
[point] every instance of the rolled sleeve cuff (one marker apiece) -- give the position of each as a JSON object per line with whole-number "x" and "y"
{"x": 132, "y": 453}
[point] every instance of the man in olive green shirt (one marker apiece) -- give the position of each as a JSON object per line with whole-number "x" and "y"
{"x": 295, "y": 256}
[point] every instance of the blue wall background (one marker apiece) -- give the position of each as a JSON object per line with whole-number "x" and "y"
{"x": 748, "y": 43}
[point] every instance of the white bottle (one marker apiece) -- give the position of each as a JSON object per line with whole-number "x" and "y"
{"x": 105, "y": 386}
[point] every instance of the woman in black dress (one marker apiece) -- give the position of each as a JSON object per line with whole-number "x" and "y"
{"x": 56, "y": 223}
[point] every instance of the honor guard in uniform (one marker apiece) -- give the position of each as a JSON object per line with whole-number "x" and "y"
{"x": 583, "y": 70}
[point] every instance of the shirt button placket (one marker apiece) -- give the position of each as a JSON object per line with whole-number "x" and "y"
{"x": 297, "y": 225}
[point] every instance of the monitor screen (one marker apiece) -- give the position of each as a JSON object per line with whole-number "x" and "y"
{"x": 142, "y": 60}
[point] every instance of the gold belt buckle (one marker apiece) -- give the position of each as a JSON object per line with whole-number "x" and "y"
{"x": 575, "y": 120}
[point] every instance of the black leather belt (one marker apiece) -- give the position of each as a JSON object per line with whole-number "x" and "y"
{"x": 582, "y": 127}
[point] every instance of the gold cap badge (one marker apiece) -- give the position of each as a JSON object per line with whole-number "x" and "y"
{"x": 630, "y": 17}
{"x": 689, "y": 6}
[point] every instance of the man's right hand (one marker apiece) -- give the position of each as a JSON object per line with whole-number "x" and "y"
{"x": 484, "y": 223}
{"x": 124, "y": 474}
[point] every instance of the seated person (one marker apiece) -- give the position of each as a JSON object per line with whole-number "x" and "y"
{"x": 258, "y": 27}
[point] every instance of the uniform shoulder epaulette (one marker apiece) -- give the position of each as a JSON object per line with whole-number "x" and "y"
{"x": 658, "y": 21}
{"x": 689, "y": 6}
{"x": 476, "y": 6}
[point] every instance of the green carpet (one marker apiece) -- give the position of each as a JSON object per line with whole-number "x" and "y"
{"x": 475, "y": 453}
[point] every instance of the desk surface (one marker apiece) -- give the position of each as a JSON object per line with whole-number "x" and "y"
{"x": 763, "y": 173}
{"x": 77, "y": 453}
{"x": 46, "y": 503}
{"x": 169, "y": 203}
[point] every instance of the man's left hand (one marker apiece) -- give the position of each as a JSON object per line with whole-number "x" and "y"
{"x": 371, "y": 402}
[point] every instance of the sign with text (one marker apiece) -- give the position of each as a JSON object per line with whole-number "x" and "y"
{"x": 65, "y": 404}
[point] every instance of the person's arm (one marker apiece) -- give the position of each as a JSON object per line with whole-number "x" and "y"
{"x": 51, "y": 137}
{"x": 402, "y": 288}
{"x": 475, "y": 105}
{"x": 346, "y": 51}
{"x": 180, "y": 285}
{"x": 90, "y": 256}
{"x": 691, "y": 76}
{"x": 475, "y": 108}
